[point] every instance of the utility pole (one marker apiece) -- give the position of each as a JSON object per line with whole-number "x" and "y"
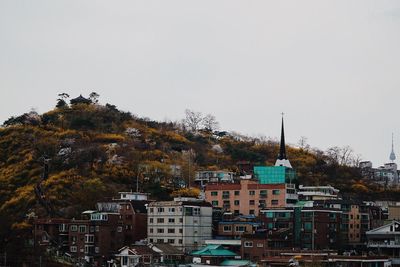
{"x": 190, "y": 154}
{"x": 313, "y": 229}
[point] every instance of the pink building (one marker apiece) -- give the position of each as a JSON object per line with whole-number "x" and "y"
{"x": 249, "y": 196}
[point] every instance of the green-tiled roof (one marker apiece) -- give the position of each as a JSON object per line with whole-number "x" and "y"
{"x": 214, "y": 250}
{"x": 236, "y": 263}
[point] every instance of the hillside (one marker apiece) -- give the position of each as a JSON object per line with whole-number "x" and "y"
{"x": 93, "y": 151}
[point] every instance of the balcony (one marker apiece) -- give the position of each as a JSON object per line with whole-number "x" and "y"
{"x": 383, "y": 244}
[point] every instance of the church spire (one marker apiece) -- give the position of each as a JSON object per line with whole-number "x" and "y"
{"x": 392, "y": 156}
{"x": 282, "y": 149}
{"x": 282, "y": 159}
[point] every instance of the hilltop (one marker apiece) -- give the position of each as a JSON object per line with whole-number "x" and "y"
{"x": 93, "y": 151}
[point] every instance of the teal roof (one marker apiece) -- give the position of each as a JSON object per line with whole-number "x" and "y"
{"x": 214, "y": 250}
{"x": 237, "y": 263}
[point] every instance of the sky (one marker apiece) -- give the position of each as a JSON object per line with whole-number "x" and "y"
{"x": 333, "y": 67}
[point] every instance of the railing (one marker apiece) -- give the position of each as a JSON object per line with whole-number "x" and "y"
{"x": 390, "y": 244}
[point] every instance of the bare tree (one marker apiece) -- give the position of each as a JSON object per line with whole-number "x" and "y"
{"x": 193, "y": 120}
{"x": 210, "y": 123}
{"x": 94, "y": 97}
{"x": 303, "y": 143}
{"x": 342, "y": 155}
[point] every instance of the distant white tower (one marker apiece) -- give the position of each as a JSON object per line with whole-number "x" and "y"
{"x": 392, "y": 156}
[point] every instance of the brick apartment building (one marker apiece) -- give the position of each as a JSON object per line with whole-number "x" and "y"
{"x": 98, "y": 234}
{"x": 249, "y": 196}
{"x": 302, "y": 227}
{"x": 357, "y": 219}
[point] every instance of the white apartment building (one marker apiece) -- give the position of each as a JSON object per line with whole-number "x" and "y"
{"x": 184, "y": 223}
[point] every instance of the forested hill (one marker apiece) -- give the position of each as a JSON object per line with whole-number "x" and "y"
{"x": 94, "y": 151}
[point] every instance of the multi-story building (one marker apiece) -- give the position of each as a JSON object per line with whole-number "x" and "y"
{"x": 99, "y": 233}
{"x": 355, "y": 222}
{"x": 385, "y": 240}
{"x": 386, "y": 175}
{"x": 204, "y": 177}
{"x": 317, "y": 192}
{"x": 234, "y": 227}
{"x": 302, "y": 227}
{"x": 51, "y": 232}
{"x": 184, "y": 222}
{"x": 249, "y": 196}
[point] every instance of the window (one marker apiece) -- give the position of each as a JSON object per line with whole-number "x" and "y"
{"x": 276, "y": 192}
{"x": 307, "y": 226}
{"x": 171, "y": 220}
{"x": 251, "y": 202}
{"x": 63, "y": 227}
{"x": 82, "y": 228}
{"x": 263, "y": 193}
{"x": 188, "y": 211}
{"x": 251, "y": 212}
{"x": 74, "y": 228}
{"x": 171, "y": 231}
{"x": 97, "y": 228}
{"x": 160, "y": 241}
{"x": 196, "y": 211}
{"x": 214, "y": 203}
{"x": 237, "y": 193}
{"x": 91, "y": 229}
{"x": 160, "y": 220}
{"x": 180, "y": 230}
{"x": 358, "y": 217}
{"x": 160, "y": 209}
{"x": 171, "y": 209}
{"x": 214, "y": 193}
{"x": 270, "y": 215}
{"x": 225, "y": 194}
{"x": 240, "y": 229}
{"x": 227, "y": 228}
{"x": 96, "y": 250}
{"x": 119, "y": 229}
{"x": 160, "y": 230}
{"x": 151, "y": 210}
{"x": 351, "y": 216}
{"x": 89, "y": 238}
{"x": 151, "y": 240}
{"x": 351, "y": 226}
{"x": 236, "y": 202}
{"x": 260, "y": 245}
{"x": 252, "y": 192}
{"x": 236, "y": 212}
{"x": 248, "y": 244}
{"x": 128, "y": 207}
{"x": 274, "y": 202}
{"x": 73, "y": 249}
{"x": 151, "y": 220}
{"x": 180, "y": 241}
{"x": 151, "y": 230}
{"x": 171, "y": 241}
{"x": 181, "y": 220}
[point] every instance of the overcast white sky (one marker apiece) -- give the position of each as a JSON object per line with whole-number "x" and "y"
{"x": 333, "y": 67}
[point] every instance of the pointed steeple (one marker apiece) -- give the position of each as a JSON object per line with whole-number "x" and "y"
{"x": 282, "y": 159}
{"x": 392, "y": 156}
{"x": 282, "y": 149}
